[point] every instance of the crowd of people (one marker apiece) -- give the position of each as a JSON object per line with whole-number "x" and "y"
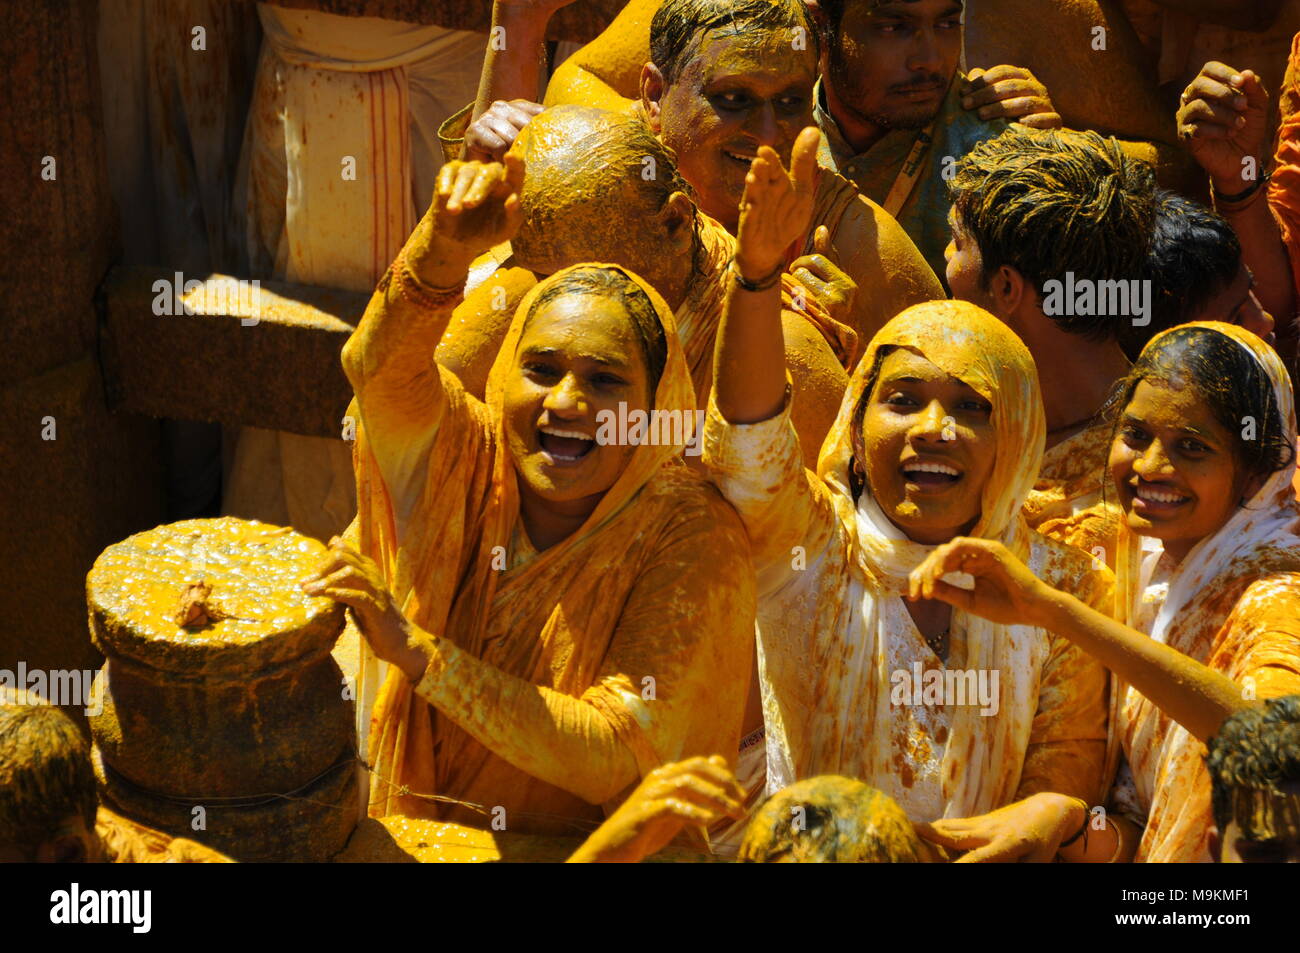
{"x": 779, "y": 439}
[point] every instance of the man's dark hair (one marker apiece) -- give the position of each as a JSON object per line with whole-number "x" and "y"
{"x": 679, "y": 25}
{"x": 1047, "y": 202}
{"x": 45, "y": 775}
{"x": 1256, "y": 749}
{"x": 834, "y": 10}
{"x": 1194, "y": 256}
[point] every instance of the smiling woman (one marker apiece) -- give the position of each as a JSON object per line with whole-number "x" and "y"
{"x": 558, "y": 615}
{"x": 1208, "y": 569}
{"x": 940, "y": 433}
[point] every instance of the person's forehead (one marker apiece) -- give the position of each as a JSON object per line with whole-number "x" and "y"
{"x": 760, "y": 52}
{"x": 590, "y": 325}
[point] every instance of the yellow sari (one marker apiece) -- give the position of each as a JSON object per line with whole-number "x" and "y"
{"x": 636, "y": 630}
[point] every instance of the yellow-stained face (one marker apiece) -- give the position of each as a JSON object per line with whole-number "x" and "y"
{"x": 577, "y": 356}
{"x": 1175, "y": 467}
{"x": 929, "y": 448}
{"x": 738, "y": 92}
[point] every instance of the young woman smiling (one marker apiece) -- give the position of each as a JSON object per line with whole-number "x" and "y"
{"x": 1208, "y": 569}
{"x": 558, "y": 616}
{"x": 940, "y": 434}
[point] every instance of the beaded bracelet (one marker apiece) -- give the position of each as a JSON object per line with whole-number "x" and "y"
{"x": 410, "y": 287}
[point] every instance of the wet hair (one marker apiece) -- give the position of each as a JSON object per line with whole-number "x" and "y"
{"x": 678, "y": 27}
{"x": 830, "y": 820}
{"x": 1227, "y": 379}
{"x": 45, "y": 775}
{"x": 598, "y": 153}
{"x": 613, "y": 283}
{"x": 858, "y": 482}
{"x": 1194, "y": 256}
{"x": 1257, "y": 748}
{"x": 834, "y": 10}
{"x": 1047, "y": 202}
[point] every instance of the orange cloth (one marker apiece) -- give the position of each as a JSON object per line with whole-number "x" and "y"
{"x": 1068, "y": 504}
{"x": 1233, "y": 603}
{"x": 559, "y": 678}
{"x": 1284, "y": 187}
{"x": 834, "y": 630}
{"x": 126, "y": 842}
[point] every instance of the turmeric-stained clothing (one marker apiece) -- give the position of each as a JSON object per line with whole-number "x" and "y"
{"x": 1067, "y": 502}
{"x": 1233, "y": 603}
{"x": 836, "y": 642}
{"x": 127, "y": 842}
{"x": 1284, "y": 187}
{"x": 557, "y": 678}
{"x": 891, "y": 167}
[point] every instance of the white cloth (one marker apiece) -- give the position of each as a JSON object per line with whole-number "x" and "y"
{"x": 341, "y": 151}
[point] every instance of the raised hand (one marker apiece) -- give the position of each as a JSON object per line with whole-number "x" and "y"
{"x": 1223, "y": 121}
{"x": 493, "y": 133}
{"x": 776, "y": 207}
{"x": 698, "y": 791}
{"x": 1028, "y": 831}
{"x": 346, "y": 576}
{"x": 1012, "y": 93}
{"x": 817, "y": 272}
{"x": 1005, "y": 592}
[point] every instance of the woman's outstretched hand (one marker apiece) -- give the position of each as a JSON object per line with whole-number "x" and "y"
{"x": 698, "y": 791}
{"x": 1028, "y": 831}
{"x": 346, "y": 576}
{"x": 1005, "y": 592}
{"x": 777, "y": 206}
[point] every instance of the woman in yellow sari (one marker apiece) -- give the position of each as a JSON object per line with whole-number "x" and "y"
{"x": 560, "y": 613}
{"x": 1202, "y": 460}
{"x": 940, "y": 434}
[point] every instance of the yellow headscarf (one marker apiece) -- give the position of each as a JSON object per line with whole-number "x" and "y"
{"x": 443, "y": 574}
{"x": 983, "y": 755}
{"x": 1260, "y": 539}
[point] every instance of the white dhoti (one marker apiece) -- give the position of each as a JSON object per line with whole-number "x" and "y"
{"x": 340, "y": 151}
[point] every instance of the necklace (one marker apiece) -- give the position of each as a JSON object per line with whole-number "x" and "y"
{"x": 937, "y": 643}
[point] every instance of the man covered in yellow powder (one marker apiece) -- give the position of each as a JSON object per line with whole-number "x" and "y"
{"x": 49, "y": 810}
{"x": 718, "y": 79}
{"x": 893, "y": 107}
{"x": 1050, "y": 231}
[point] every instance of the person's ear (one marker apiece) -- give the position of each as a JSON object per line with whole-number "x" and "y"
{"x": 64, "y": 849}
{"x": 1216, "y": 844}
{"x": 1009, "y": 290}
{"x": 678, "y": 220}
{"x": 652, "y": 90}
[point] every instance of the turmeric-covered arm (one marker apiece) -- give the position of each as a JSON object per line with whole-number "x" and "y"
{"x": 389, "y": 357}
{"x": 672, "y": 683}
